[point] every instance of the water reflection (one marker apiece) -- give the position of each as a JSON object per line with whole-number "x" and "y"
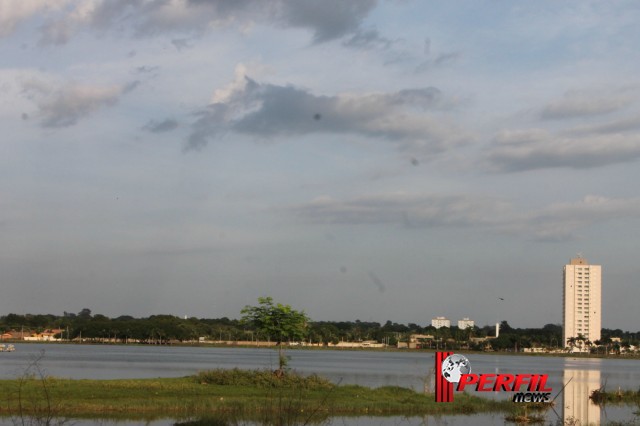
{"x": 577, "y": 408}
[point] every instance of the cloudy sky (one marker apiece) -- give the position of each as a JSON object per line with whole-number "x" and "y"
{"x": 373, "y": 160}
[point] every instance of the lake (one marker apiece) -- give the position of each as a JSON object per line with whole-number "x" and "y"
{"x": 369, "y": 368}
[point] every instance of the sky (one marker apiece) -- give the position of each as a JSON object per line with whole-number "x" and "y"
{"x": 373, "y": 160}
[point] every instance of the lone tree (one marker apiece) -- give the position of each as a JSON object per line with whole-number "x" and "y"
{"x": 278, "y": 322}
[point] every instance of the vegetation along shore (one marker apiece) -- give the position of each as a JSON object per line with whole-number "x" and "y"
{"x": 239, "y": 392}
{"x": 245, "y": 394}
{"x": 85, "y": 326}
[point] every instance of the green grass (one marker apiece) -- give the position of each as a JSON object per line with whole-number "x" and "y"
{"x": 620, "y": 396}
{"x": 244, "y": 394}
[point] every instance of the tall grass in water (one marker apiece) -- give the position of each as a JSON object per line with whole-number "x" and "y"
{"x": 256, "y": 395}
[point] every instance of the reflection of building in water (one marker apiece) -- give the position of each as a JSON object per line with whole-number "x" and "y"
{"x": 578, "y": 408}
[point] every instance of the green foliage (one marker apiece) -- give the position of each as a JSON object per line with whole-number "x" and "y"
{"x": 247, "y": 393}
{"x": 277, "y": 321}
{"x": 169, "y": 329}
{"x": 261, "y": 379}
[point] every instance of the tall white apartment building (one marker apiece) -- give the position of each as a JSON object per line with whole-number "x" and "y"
{"x": 582, "y": 301}
{"x": 438, "y": 322}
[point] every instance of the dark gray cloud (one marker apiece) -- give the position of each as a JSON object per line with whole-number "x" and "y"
{"x": 63, "y": 105}
{"x": 165, "y": 125}
{"x": 181, "y": 43}
{"x": 538, "y": 149}
{"x": 327, "y": 20}
{"x": 265, "y": 111}
{"x": 367, "y": 39}
{"x": 145, "y": 69}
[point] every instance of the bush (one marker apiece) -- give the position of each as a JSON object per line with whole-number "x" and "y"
{"x": 262, "y": 379}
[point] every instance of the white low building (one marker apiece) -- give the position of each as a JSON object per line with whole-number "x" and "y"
{"x": 465, "y": 323}
{"x": 439, "y": 322}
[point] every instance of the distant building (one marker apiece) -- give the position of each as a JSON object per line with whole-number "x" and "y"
{"x": 364, "y": 344}
{"x": 417, "y": 341}
{"x": 45, "y": 336}
{"x": 465, "y": 323}
{"x": 582, "y": 302}
{"x": 439, "y": 322}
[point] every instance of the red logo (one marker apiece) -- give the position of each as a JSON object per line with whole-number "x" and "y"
{"x": 453, "y": 370}
{"x": 444, "y": 388}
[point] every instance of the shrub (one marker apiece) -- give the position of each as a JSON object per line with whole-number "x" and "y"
{"x": 262, "y": 379}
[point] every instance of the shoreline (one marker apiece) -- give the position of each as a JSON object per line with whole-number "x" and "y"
{"x": 237, "y": 392}
{"x": 339, "y": 349}
{"x": 247, "y": 395}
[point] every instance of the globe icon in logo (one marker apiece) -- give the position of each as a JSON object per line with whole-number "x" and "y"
{"x": 454, "y": 366}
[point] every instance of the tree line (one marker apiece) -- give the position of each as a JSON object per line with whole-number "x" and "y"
{"x": 162, "y": 329}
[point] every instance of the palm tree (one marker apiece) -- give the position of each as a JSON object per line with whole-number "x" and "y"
{"x": 580, "y": 341}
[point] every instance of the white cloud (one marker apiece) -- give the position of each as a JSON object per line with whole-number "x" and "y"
{"x": 412, "y": 210}
{"x": 561, "y": 221}
{"x": 575, "y": 104}
{"x": 63, "y": 104}
{"x": 539, "y": 149}
{"x": 556, "y": 222}
{"x": 13, "y": 12}
{"x": 623, "y": 125}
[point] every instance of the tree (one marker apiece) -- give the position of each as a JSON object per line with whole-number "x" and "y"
{"x": 277, "y": 321}
{"x": 85, "y": 313}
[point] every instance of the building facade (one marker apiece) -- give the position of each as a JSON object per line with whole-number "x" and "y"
{"x": 582, "y": 302}
{"x": 438, "y": 322}
{"x": 465, "y": 323}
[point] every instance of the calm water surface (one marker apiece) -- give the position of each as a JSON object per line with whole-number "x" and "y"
{"x": 368, "y": 368}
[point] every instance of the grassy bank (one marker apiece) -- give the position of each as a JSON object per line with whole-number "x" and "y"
{"x": 602, "y": 396}
{"x": 235, "y": 392}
